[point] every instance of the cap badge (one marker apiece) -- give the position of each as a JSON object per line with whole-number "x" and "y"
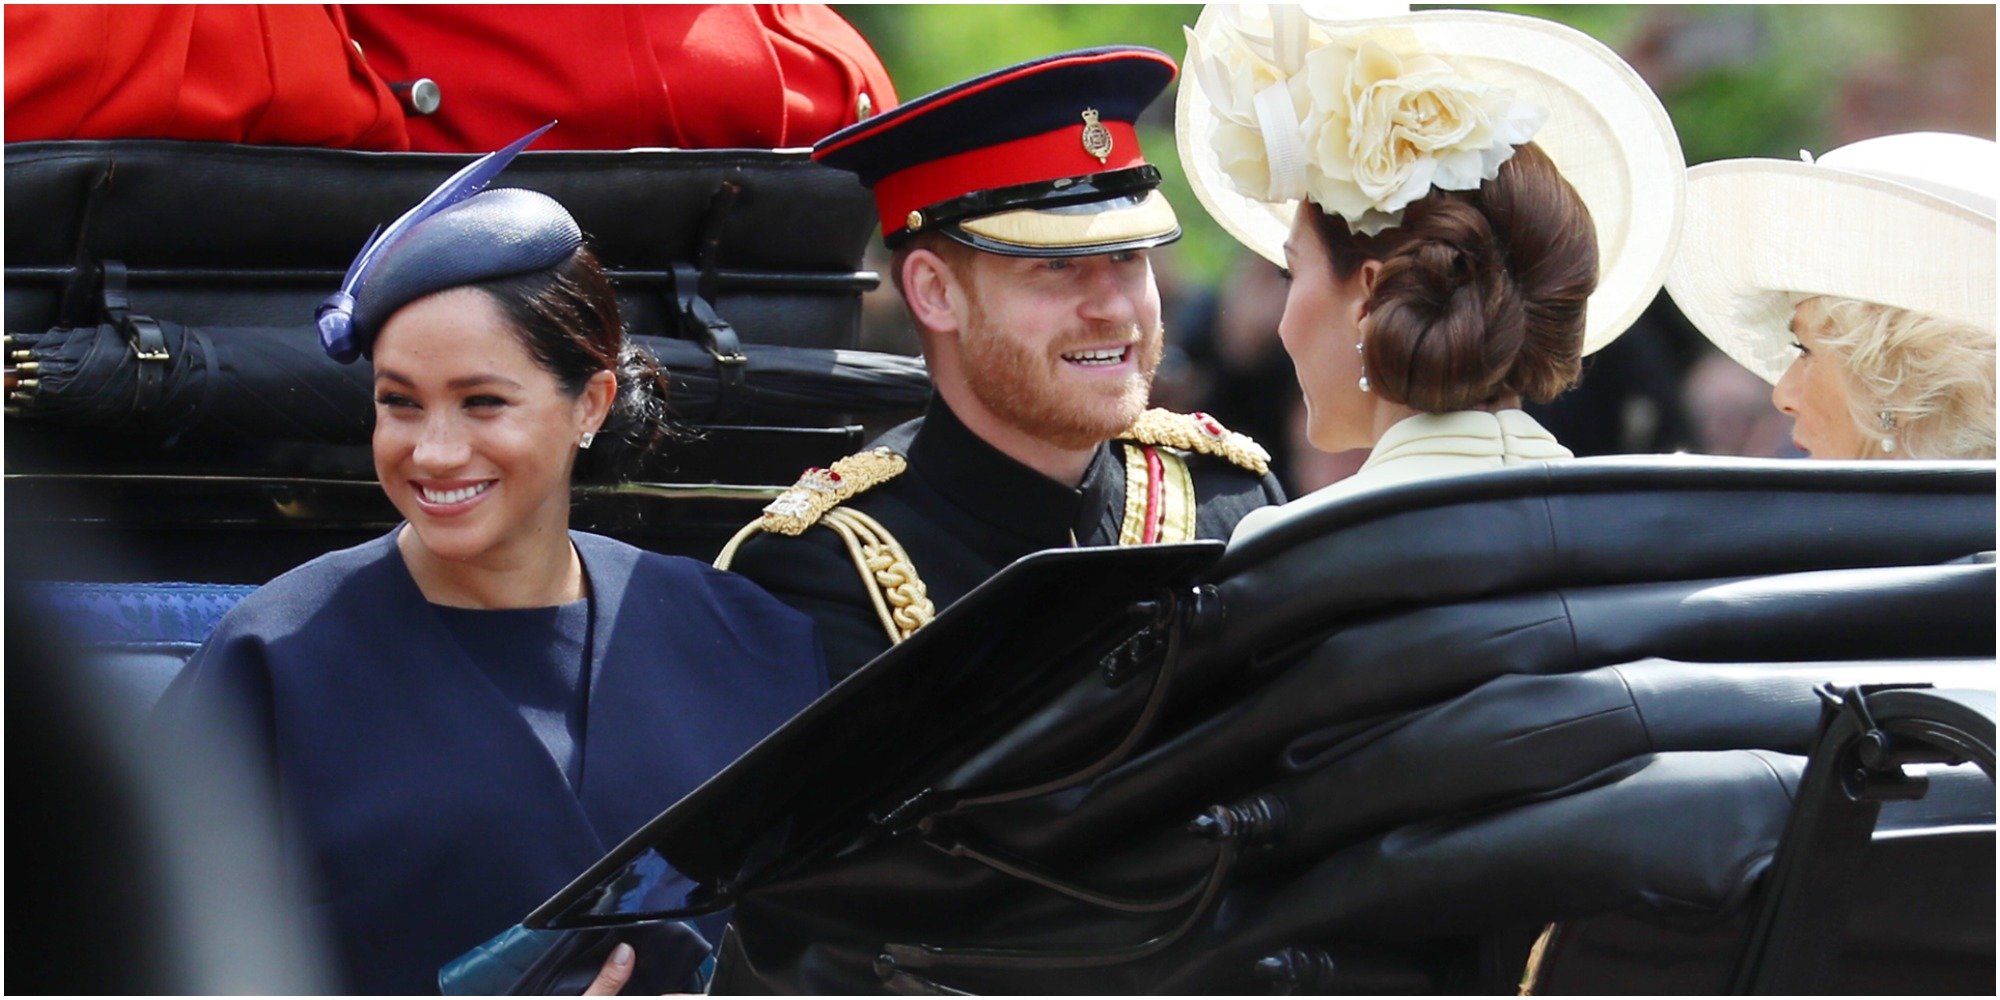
{"x": 1096, "y": 138}
{"x": 914, "y": 221}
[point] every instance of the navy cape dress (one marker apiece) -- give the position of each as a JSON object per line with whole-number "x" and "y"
{"x": 421, "y": 811}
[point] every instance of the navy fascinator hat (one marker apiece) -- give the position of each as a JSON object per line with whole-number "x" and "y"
{"x": 456, "y": 236}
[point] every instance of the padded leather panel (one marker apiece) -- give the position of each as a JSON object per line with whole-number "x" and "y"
{"x": 1398, "y": 662}
{"x": 1451, "y": 709}
{"x": 1588, "y": 522}
{"x": 640, "y": 207}
{"x": 188, "y": 207}
{"x": 1693, "y": 829}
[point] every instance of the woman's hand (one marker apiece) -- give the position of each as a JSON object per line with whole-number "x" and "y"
{"x": 612, "y": 978}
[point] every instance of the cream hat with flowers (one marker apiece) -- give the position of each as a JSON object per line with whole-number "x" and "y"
{"x": 1900, "y": 220}
{"x": 1363, "y": 107}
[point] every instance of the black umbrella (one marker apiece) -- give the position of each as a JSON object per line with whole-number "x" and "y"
{"x": 275, "y": 383}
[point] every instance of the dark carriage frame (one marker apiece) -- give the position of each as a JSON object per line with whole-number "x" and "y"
{"x": 710, "y": 247}
{"x": 734, "y": 251}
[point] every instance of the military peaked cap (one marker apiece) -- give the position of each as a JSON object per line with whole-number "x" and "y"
{"x": 1036, "y": 160}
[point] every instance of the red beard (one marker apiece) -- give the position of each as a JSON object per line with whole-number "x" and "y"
{"x": 1022, "y": 385}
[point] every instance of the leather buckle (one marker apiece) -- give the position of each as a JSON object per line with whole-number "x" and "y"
{"x": 141, "y": 333}
{"x": 702, "y": 324}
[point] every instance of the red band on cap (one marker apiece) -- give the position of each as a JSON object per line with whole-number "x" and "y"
{"x": 932, "y": 103}
{"x": 1034, "y": 159}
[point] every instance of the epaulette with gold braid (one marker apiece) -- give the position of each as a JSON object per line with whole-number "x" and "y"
{"x": 820, "y": 490}
{"x": 1198, "y": 432}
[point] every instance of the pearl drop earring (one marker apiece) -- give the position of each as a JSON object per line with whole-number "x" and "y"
{"x": 1888, "y": 424}
{"x": 1360, "y": 347}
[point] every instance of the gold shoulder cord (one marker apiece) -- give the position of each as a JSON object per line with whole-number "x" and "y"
{"x": 901, "y": 601}
{"x": 1200, "y": 433}
{"x": 1159, "y": 498}
{"x": 900, "y": 598}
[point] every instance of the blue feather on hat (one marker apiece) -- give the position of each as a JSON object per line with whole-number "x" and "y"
{"x": 338, "y": 333}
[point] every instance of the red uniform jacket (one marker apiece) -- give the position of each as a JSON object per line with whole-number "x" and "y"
{"x": 271, "y": 74}
{"x": 689, "y": 76}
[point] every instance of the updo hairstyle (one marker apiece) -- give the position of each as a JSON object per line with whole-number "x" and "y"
{"x": 1933, "y": 376}
{"x": 567, "y": 317}
{"x": 1481, "y": 294}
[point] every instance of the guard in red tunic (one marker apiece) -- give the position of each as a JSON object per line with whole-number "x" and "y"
{"x": 620, "y": 76}
{"x": 276, "y": 74}
{"x": 1021, "y": 210}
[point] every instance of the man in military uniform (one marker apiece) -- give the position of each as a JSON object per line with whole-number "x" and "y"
{"x": 1020, "y": 210}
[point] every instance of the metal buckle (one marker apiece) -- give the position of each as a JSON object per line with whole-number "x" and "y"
{"x": 141, "y": 332}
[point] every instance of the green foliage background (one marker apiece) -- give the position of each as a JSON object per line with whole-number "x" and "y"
{"x": 1762, "y": 80}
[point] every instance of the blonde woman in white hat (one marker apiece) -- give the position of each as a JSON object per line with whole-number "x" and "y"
{"x": 1860, "y": 284}
{"x": 1467, "y": 201}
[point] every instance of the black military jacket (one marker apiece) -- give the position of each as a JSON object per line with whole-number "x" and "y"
{"x": 963, "y": 511}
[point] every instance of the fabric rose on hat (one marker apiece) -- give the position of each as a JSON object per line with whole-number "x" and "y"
{"x": 1384, "y": 129}
{"x": 1362, "y": 123}
{"x": 1247, "y": 60}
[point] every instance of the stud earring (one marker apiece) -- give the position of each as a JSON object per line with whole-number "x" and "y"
{"x": 1360, "y": 347}
{"x": 1888, "y": 420}
{"x": 588, "y": 436}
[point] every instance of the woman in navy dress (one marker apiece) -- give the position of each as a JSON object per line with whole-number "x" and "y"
{"x": 464, "y": 714}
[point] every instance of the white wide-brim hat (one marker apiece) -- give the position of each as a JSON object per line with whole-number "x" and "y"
{"x": 1900, "y": 220}
{"x": 1606, "y": 132}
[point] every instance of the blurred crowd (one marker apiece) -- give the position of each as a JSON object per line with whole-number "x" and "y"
{"x": 1660, "y": 388}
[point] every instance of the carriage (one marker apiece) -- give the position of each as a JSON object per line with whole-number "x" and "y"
{"x": 1665, "y": 724}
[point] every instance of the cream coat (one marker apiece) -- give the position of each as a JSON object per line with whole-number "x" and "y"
{"x": 1427, "y": 446}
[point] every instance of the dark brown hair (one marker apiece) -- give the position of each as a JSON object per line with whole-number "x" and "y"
{"x": 1481, "y": 293}
{"x": 567, "y": 317}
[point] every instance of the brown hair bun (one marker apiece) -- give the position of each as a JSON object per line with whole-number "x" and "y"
{"x": 1481, "y": 294}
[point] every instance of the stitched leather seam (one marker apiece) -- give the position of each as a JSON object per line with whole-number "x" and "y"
{"x": 1644, "y": 726}
{"x": 1564, "y": 724}
{"x": 1575, "y": 647}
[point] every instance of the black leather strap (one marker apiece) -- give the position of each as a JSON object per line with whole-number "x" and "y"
{"x": 141, "y": 333}
{"x": 1179, "y": 613}
{"x": 957, "y": 843}
{"x": 702, "y": 324}
{"x": 896, "y": 957}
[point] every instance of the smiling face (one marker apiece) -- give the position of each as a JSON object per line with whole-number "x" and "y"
{"x": 474, "y": 440}
{"x": 1321, "y": 325}
{"x": 1061, "y": 348}
{"x": 1814, "y": 393}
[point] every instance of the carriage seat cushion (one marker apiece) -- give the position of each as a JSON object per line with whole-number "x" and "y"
{"x": 137, "y": 636}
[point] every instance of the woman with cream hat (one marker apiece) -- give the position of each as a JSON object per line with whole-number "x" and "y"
{"x": 1468, "y": 203}
{"x": 1860, "y": 284}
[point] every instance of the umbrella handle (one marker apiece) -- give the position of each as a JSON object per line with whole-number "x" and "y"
{"x": 23, "y": 371}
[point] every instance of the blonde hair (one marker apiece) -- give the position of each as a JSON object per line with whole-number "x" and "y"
{"x": 1932, "y": 376}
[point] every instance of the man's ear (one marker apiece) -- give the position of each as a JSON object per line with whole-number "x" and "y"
{"x": 932, "y": 292}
